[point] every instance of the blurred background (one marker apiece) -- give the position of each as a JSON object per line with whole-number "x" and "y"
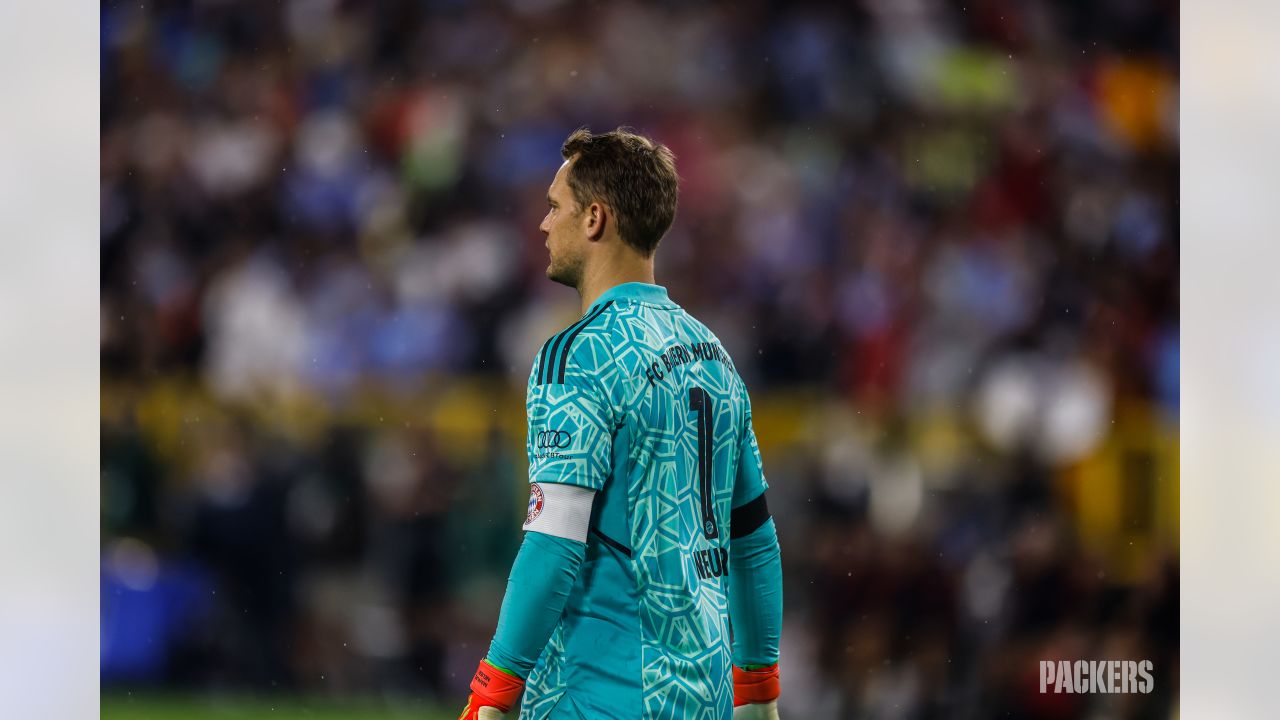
{"x": 940, "y": 240}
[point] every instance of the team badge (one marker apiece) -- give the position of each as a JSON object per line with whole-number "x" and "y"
{"x": 536, "y": 501}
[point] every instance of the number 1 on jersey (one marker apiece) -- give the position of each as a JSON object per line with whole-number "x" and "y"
{"x": 700, "y": 402}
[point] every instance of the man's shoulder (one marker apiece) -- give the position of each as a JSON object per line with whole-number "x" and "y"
{"x": 582, "y": 347}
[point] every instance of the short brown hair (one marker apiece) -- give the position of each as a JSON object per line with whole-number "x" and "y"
{"x": 630, "y": 173}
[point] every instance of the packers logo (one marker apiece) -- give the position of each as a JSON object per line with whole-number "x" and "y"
{"x": 552, "y": 440}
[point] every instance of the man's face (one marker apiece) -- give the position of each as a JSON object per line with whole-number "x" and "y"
{"x": 566, "y": 237}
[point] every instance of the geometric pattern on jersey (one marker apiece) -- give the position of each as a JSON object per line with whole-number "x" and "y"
{"x": 639, "y": 402}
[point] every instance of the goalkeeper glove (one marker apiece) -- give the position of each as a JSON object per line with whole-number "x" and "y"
{"x": 755, "y": 693}
{"x": 493, "y": 693}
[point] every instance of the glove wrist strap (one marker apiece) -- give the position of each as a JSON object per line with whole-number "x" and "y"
{"x": 756, "y": 686}
{"x": 500, "y": 688}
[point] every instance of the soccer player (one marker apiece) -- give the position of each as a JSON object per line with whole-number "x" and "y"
{"x": 649, "y": 581}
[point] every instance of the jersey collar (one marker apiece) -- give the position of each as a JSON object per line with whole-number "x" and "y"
{"x": 643, "y": 292}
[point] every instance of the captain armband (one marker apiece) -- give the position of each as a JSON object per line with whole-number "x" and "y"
{"x": 559, "y": 510}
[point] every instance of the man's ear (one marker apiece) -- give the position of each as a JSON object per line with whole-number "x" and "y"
{"x": 594, "y": 220}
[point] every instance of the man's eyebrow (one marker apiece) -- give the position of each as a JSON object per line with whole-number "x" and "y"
{"x": 549, "y": 200}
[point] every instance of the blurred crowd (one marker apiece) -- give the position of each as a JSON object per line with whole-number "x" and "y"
{"x": 940, "y": 240}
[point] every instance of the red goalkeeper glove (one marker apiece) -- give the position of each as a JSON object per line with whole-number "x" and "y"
{"x": 493, "y": 693}
{"x": 755, "y": 693}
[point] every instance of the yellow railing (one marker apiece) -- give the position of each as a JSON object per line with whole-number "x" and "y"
{"x": 1122, "y": 499}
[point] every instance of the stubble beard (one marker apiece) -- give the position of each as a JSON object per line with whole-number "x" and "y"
{"x": 567, "y": 272}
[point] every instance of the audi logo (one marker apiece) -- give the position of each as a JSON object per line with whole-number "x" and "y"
{"x": 553, "y": 439}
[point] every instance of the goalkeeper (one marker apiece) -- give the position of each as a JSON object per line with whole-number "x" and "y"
{"x": 648, "y": 535}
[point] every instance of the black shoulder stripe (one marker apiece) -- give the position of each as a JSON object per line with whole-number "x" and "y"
{"x": 746, "y": 519}
{"x": 611, "y": 542}
{"x": 564, "y": 352}
{"x": 549, "y": 368}
{"x": 542, "y": 363}
{"x": 548, "y": 371}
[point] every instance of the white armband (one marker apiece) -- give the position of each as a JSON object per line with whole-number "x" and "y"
{"x": 560, "y": 510}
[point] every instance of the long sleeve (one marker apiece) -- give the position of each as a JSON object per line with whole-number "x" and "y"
{"x": 537, "y": 590}
{"x": 755, "y": 596}
{"x": 755, "y": 562}
{"x": 570, "y": 442}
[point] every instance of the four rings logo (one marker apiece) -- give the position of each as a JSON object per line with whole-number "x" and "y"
{"x": 552, "y": 440}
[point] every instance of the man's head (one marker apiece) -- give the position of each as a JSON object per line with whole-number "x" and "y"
{"x": 615, "y": 195}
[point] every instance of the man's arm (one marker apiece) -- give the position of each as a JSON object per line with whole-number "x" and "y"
{"x": 570, "y": 443}
{"x": 755, "y": 595}
{"x": 538, "y": 588}
{"x": 755, "y": 589}
{"x": 542, "y": 576}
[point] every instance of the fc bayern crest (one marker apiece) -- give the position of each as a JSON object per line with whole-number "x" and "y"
{"x": 536, "y": 500}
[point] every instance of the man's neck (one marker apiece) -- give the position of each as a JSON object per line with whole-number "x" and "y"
{"x": 609, "y": 274}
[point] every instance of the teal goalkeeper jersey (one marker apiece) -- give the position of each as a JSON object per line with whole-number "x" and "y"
{"x": 639, "y": 402}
